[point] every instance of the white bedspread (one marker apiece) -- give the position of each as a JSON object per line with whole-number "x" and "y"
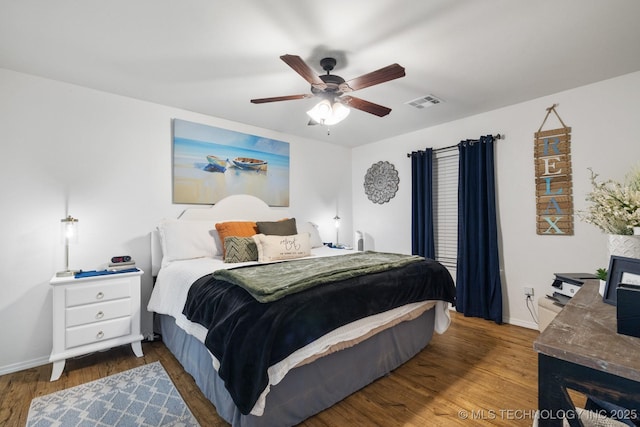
{"x": 174, "y": 280}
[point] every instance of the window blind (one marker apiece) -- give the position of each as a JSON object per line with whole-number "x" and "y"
{"x": 445, "y": 207}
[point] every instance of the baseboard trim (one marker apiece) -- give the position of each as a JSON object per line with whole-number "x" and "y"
{"x": 517, "y": 322}
{"x": 514, "y": 322}
{"x": 15, "y": 367}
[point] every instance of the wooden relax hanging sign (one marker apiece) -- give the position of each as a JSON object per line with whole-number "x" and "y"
{"x": 554, "y": 194}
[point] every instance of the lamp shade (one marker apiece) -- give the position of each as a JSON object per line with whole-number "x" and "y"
{"x": 69, "y": 229}
{"x": 339, "y": 113}
{"x": 327, "y": 114}
{"x": 68, "y": 234}
{"x": 321, "y": 111}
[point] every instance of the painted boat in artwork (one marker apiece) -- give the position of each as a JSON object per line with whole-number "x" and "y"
{"x": 216, "y": 164}
{"x": 250, "y": 163}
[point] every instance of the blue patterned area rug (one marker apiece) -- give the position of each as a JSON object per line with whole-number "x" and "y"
{"x": 143, "y": 396}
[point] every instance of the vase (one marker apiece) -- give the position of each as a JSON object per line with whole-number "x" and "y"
{"x": 625, "y": 246}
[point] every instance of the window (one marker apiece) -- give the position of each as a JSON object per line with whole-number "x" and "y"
{"x": 445, "y": 207}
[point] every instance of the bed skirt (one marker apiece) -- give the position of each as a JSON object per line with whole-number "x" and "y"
{"x": 308, "y": 389}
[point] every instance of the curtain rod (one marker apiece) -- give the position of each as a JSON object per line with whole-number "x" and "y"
{"x": 498, "y": 136}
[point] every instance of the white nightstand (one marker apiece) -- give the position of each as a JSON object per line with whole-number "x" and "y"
{"x": 94, "y": 313}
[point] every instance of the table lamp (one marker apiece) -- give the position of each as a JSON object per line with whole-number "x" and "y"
{"x": 69, "y": 234}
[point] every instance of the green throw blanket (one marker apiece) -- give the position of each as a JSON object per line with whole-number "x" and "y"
{"x": 270, "y": 282}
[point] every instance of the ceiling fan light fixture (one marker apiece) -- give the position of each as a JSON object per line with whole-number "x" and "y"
{"x": 340, "y": 112}
{"x": 335, "y": 107}
{"x": 327, "y": 114}
{"x": 321, "y": 112}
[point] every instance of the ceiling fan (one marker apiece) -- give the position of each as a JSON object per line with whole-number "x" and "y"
{"x": 332, "y": 88}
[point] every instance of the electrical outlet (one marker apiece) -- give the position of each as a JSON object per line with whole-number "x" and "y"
{"x": 528, "y": 292}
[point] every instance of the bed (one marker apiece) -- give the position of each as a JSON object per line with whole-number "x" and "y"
{"x": 313, "y": 339}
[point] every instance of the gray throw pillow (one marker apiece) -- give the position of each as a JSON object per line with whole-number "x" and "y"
{"x": 286, "y": 227}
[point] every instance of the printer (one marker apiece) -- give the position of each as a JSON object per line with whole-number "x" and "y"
{"x": 565, "y": 285}
{"x": 563, "y": 288}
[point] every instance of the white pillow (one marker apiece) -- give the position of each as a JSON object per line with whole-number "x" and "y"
{"x": 183, "y": 239}
{"x": 312, "y": 229}
{"x": 276, "y": 248}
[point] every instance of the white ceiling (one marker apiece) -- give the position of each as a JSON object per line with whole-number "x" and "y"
{"x": 213, "y": 56}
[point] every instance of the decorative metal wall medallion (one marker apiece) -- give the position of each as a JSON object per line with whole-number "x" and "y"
{"x": 381, "y": 182}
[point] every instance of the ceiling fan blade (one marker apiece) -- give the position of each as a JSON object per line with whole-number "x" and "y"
{"x": 280, "y": 98}
{"x": 301, "y": 67}
{"x": 391, "y": 72}
{"x": 366, "y": 106}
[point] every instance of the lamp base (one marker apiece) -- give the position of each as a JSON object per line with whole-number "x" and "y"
{"x": 66, "y": 273}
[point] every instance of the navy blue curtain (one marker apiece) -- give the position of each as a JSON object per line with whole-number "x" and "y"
{"x": 422, "y": 241}
{"x": 478, "y": 285}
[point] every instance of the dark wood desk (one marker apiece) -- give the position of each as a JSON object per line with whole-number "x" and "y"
{"x": 581, "y": 350}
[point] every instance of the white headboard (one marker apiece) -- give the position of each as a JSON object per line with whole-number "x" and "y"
{"x": 236, "y": 207}
{"x": 232, "y": 208}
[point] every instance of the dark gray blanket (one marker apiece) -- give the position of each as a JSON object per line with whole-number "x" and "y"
{"x": 247, "y": 336}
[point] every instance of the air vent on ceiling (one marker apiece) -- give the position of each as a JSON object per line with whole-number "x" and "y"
{"x": 425, "y": 101}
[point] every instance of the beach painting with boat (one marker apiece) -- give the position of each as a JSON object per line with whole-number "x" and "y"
{"x": 211, "y": 163}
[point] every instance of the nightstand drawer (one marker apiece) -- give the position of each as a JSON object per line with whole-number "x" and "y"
{"x": 104, "y": 290}
{"x": 95, "y": 332}
{"x": 98, "y": 312}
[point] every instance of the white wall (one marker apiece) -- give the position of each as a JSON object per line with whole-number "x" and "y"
{"x": 106, "y": 160}
{"x": 605, "y": 134}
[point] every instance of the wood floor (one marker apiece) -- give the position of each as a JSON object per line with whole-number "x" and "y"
{"x": 477, "y": 373}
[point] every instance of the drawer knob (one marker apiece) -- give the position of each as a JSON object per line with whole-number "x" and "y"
{"x": 99, "y": 335}
{"x": 99, "y": 295}
{"x": 99, "y": 315}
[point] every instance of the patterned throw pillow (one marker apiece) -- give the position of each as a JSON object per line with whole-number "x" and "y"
{"x": 276, "y": 248}
{"x": 240, "y": 249}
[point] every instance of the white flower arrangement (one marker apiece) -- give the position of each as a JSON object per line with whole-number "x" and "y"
{"x": 615, "y": 207}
